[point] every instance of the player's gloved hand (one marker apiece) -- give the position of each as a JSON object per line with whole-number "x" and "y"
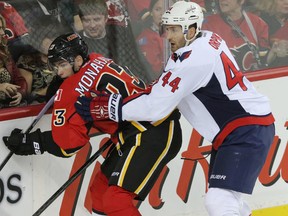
{"x": 24, "y": 144}
{"x": 101, "y": 106}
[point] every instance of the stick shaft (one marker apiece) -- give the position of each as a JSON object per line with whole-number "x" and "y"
{"x": 40, "y": 115}
{"x": 6, "y": 160}
{"x": 35, "y": 121}
{"x": 73, "y": 177}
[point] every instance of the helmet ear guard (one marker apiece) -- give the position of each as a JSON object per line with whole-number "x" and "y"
{"x": 184, "y": 14}
{"x": 65, "y": 48}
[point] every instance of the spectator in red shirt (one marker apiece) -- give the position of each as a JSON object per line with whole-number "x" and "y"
{"x": 275, "y": 14}
{"x": 136, "y": 9}
{"x": 13, "y": 86}
{"x": 16, "y": 30}
{"x": 245, "y": 34}
{"x": 149, "y": 40}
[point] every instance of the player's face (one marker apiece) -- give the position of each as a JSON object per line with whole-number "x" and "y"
{"x": 175, "y": 36}
{"x": 63, "y": 69}
{"x": 94, "y": 25}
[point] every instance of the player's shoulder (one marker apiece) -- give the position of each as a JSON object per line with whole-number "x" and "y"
{"x": 98, "y": 56}
{"x": 96, "y": 61}
{"x": 95, "y": 55}
{"x": 203, "y": 43}
{"x": 205, "y": 35}
{"x": 66, "y": 95}
{"x": 206, "y": 47}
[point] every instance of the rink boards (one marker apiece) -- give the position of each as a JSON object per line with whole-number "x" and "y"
{"x": 26, "y": 182}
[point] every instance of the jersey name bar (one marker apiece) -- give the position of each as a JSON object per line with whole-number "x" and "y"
{"x": 90, "y": 74}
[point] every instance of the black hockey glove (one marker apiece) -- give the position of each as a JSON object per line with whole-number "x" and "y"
{"x": 24, "y": 144}
{"x": 102, "y": 106}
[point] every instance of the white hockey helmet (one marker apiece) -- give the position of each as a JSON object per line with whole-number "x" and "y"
{"x": 184, "y": 14}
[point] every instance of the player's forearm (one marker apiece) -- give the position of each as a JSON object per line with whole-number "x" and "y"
{"x": 34, "y": 143}
{"x": 51, "y": 147}
{"x": 146, "y": 108}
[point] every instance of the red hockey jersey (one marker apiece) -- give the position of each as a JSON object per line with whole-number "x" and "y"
{"x": 101, "y": 74}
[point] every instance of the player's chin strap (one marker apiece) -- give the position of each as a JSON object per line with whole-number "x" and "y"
{"x": 188, "y": 41}
{"x": 196, "y": 35}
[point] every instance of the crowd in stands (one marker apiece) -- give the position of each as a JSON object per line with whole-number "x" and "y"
{"x": 127, "y": 31}
{"x": 149, "y": 39}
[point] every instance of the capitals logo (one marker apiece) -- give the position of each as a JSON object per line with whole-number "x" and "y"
{"x": 181, "y": 57}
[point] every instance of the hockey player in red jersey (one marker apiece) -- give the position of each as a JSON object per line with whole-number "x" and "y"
{"x": 143, "y": 147}
{"x": 202, "y": 79}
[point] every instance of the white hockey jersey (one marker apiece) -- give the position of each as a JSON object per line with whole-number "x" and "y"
{"x": 203, "y": 81}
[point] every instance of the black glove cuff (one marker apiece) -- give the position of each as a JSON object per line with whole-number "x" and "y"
{"x": 34, "y": 139}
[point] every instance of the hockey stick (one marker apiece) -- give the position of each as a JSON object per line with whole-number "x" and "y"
{"x": 73, "y": 177}
{"x": 35, "y": 121}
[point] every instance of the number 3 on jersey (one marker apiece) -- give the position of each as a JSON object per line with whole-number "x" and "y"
{"x": 59, "y": 115}
{"x": 173, "y": 83}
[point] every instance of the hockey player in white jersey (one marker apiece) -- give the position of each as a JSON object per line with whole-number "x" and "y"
{"x": 202, "y": 79}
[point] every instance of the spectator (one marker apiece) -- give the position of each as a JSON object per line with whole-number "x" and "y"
{"x": 7, "y": 90}
{"x": 34, "y": 67}
{"x": 113, "y": 41}
{"x": 61, "y": 13}
{"x": 250, "y": 5}
{"x": 70, "y": 13}
{"x": 245, "y": 34}
{"x": 208, "y": 6}
{"x": 117, "y": 12}
{"x": 11, "y": 95}
{"x": 16, "y": 30}
{"x": 149, "y": 40}
{"x": 275, "y": 14}
{"x": 137, "y": 9}
{"x": 94, "y": 17}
